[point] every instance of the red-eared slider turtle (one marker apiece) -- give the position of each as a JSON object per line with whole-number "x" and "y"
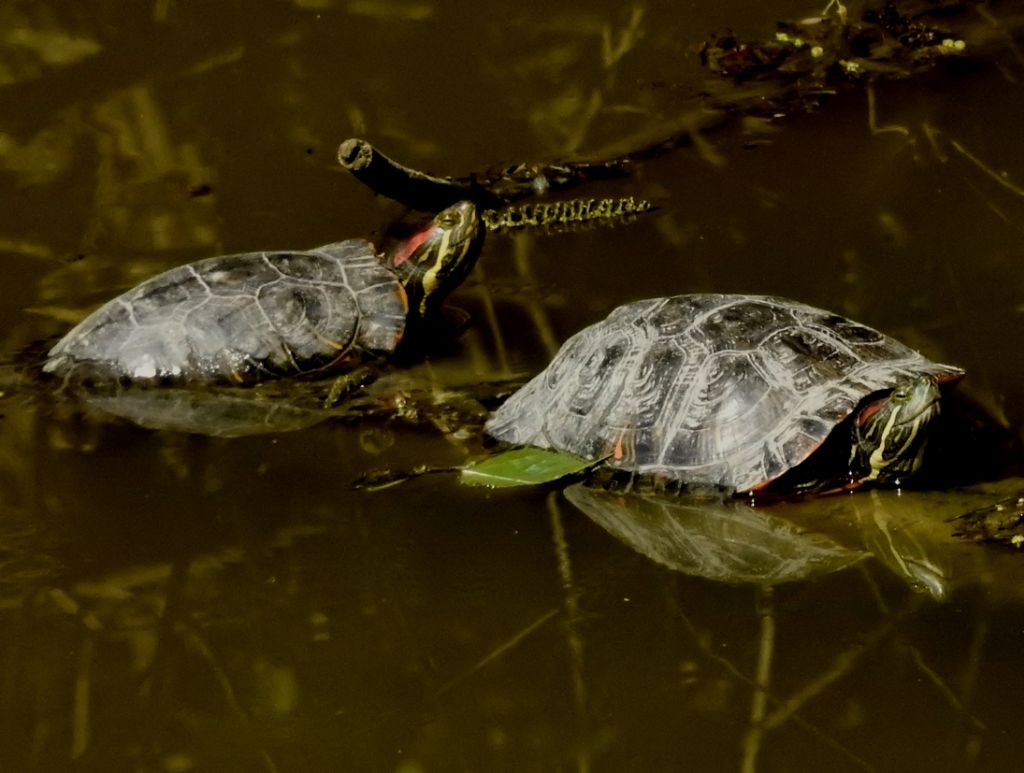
{"x": 244, "y": 318}
{"x": 732, "y": 391}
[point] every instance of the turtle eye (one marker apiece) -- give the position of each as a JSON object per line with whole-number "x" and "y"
{"x": 900, "y": 394}
{"x": 447, "y": 219}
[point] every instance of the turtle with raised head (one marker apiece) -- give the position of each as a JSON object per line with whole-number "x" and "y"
{"x": 245, "y": 318}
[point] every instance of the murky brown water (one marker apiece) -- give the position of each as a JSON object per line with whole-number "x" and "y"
{"x": 173, "y": 602}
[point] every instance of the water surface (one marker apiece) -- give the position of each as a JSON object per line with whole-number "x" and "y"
{"x": 175, "y": 602}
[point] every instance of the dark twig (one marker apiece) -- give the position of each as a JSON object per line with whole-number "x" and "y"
{"x": 489, "y": 190}
{"x": 410, "y": 187}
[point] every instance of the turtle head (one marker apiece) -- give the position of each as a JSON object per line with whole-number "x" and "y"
{"x": 437, "y": 258}
{"x": 889, "y": 433}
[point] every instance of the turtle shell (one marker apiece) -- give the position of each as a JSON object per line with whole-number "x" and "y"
{"x": 721, "y": 390}
{"x": 242, "y": 318}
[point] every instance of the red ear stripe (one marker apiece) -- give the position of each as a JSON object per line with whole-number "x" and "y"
{"x": 412, "y": 244}
{"x": 870, "y": 410}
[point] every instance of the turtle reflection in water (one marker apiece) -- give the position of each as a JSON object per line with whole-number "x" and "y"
{"x": 415, "y": 396}
{"x": 738, "y": 392}
{"x": 726, "y": 540}
{"x": 705, "y": 537}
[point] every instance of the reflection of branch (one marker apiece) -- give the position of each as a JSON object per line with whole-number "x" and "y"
{"x": 788, "y": 710}
{"x": 1001, "y": 179}
{"x": 572, "y": 635}
{"x": 193, "y": 641}
{"x": 538, "y": 312}
{"x": 80, "y": 702}
{"x": 705, "y": 648}
{"x": 191, "y": 638}
{"x": 486, "y": 296}
{"x": 969, "y": 679}
{"x": 498, "y": 651}
{"x": 762, "y": 678}
{"x": 842, "y": 665}
{"x": 612, "y": 52}
{"x": 944, "y": 689}
{"x": 173, "y": 623}
{"x": 873, "y": 126}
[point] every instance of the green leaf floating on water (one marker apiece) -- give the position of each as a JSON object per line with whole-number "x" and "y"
{"x": 524, "y": 467}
